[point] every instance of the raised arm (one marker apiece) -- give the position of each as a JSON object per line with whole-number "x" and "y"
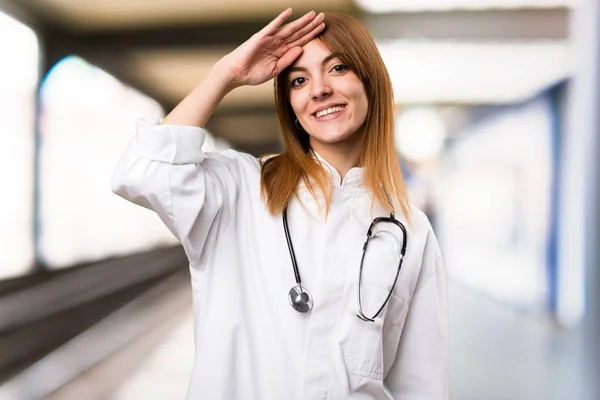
{"x": 164, "y": 168}
{"x": 259, "y": 59}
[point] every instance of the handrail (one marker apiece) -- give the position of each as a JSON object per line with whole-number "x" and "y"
{"x": 80, "y": 286}
{"x": 100, "y": 341}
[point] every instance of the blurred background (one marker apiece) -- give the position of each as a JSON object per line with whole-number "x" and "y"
{"x": 497, "y": 130}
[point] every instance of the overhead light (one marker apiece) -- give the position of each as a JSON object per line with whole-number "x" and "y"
{"x": 420, "y": 134}
{"x": 387, "y": 6}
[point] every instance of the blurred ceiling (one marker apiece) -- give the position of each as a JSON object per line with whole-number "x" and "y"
{"x": 86, "y": 15}
{"x": 449, "y": 52}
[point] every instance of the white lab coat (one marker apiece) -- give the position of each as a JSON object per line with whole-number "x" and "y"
{"x": 250, "y": 343}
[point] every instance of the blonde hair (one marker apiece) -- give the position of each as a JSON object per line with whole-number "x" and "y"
{"x": 281, "y": 174}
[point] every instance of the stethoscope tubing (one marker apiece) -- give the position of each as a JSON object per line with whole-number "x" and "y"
{"x": 370, "y": 236}
{"x": 392, "y": 219}
{"x": 291, "y": 248}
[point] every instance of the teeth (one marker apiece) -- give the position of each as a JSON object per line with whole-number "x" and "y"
{"x": 330, "y": 110}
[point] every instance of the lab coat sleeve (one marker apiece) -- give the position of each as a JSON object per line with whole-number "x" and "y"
{"x": 194, "y": 193}
{"x": 420, "y": 371}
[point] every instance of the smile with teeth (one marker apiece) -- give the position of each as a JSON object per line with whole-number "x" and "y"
{"x": 330, "y": 110}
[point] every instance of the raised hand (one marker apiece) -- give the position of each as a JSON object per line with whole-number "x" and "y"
{"x": 260, "y": 58}
{"x": 272, "y": 49}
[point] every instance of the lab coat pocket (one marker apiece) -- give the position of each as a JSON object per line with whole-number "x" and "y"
{"x": 371, "y": 348}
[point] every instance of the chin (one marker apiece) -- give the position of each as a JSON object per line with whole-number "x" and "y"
{"x": 332, "y": 138}
{"x": 329, "y": 139}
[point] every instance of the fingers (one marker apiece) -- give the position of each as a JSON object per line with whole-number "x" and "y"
{"x": 276, "y": 23}
{"x": 310, "y": 31}
{"x": 301, "y": 41}
{"x": 291, "y": 28}
{"x": 287, "y": 59}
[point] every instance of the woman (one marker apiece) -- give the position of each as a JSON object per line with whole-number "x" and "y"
{"x": 351, "y": 326}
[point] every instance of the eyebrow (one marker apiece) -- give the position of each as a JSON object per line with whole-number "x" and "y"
{"x": 325, "y": 61}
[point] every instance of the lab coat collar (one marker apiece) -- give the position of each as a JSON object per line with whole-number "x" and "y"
{"x": 352, "y": 180}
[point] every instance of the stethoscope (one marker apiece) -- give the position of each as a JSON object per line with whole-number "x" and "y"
{"x": 301, "y": 299}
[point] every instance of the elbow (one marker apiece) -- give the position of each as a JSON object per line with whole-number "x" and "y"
{"x": 118, "y": 184}
{"x": 127, "y": 178}
{"x": 117, "y": 188}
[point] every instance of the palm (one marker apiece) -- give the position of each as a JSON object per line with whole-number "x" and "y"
{"x": 271, "y": 50}
{"x": 261, "y": 61}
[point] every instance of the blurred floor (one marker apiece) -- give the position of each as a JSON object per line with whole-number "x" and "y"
{"x": 500, "y": 353}
{"x": 497, "y": 353}
{"x": 166, "y": 371}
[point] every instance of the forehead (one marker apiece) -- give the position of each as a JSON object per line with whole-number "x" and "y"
{"x": 313, "y": 52}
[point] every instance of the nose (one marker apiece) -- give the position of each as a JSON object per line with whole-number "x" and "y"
{"x": 320, "y": 88}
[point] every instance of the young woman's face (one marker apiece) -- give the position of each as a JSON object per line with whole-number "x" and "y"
{"x": 328, "y": 99}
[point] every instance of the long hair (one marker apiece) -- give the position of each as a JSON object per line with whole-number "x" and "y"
{"x": 281, "y": 174}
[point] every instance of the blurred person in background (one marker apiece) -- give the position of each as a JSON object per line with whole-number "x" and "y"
{"x": 377, "y": 327}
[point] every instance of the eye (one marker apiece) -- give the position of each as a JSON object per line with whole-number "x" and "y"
{"x": 297, "y": 81}
{"x": 340, "y": 68}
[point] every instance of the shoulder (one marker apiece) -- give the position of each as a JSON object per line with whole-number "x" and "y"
{"x": 245, "y": 159}
{"x": 418, "y": 219}
{"x": 425, "y": 244}
{"x": 235, "y": 159}
{"x": 266, "y": 159}
{"x": 417, "y": 222}
{"x": 421, "y": 226}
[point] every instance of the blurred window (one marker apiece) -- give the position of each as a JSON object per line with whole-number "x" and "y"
{"x": 18, "y": 83}
{"x": 87, "y": 120}
{"x": 494, "y": 209}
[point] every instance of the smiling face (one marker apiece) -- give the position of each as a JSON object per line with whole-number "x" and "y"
{"x": 327, "y": 97}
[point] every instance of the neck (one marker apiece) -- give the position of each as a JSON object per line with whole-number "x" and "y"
{"x": 342, "y": 156}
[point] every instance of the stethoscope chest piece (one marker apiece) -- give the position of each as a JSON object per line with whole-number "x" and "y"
{"x": 300, "y": 299}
